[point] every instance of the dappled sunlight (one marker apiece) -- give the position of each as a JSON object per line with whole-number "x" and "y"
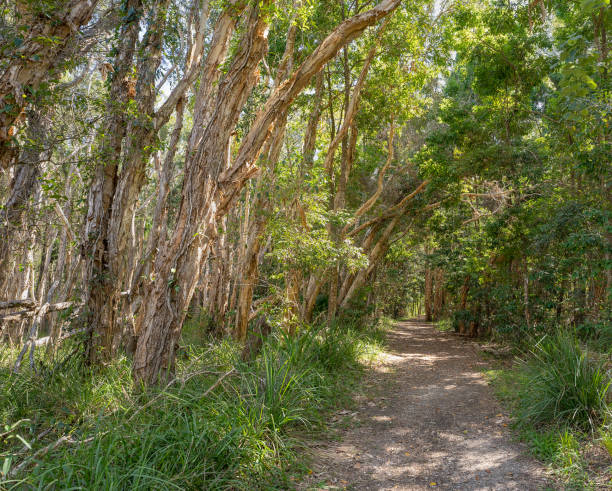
{"x": 437, "y": 422}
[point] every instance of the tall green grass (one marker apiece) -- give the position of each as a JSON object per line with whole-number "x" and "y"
{"x": 238, "y": 436}
{"x": 563, "y": 383}
{"x": 558, "y": 396}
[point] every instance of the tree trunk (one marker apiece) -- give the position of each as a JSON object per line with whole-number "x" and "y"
{"x": 464, "y": 294}
{"x": 439, "y": 294}
{"x": 101, "y": 297}
{"x": 428, "y": 294}
{"x": 526, "y": 295}
{"x": 34, "y": 60}
{"x": 210, "y": 188}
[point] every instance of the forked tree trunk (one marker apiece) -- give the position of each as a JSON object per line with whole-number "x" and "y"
{"x": 313, "y": 288}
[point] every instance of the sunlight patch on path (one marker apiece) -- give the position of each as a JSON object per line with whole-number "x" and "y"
{"x": 430, "y": 418}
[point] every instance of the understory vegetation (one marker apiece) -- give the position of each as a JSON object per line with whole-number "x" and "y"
{"x": 221, "y": 423}
{"x": 561, "y": 398}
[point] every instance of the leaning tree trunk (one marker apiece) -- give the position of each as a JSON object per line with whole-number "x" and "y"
{"x": 178, "y": 267}
{"x": 249, "y": 269}
{"x": 212, "y": 183}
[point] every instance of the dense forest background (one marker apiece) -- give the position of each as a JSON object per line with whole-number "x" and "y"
{"x": 178, "y": 170}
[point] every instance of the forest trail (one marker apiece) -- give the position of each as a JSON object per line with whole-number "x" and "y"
{"x": 427, "y": 420}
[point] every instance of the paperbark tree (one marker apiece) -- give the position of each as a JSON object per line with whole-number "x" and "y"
{"x": 34, "y": 61}
{"x": 127, "y": 148}
{"x": 100, "y": 295}
{"x": 211, "y": 185}
{"x": 249, "y": 268}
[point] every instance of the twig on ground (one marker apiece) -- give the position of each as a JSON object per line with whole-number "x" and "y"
{"x": 52, "y": 446}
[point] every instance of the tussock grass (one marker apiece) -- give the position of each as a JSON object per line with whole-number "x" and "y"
{"x": 563, "y": 383}
{"x": 237, "y": 436}
{"x": 560, "y": 398}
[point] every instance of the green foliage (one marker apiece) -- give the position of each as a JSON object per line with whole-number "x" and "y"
{"x": 180, "y": 437}
{"x": 563, "y": 447}
{"x": 606, "y": 438}
{"x": 563, "y": 384}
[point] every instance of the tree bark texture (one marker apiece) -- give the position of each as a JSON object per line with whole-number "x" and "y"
{"x": 211, "y": 188}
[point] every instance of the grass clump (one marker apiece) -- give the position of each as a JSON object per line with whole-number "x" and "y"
{"x": 562, "y": 383}
{"x": 559, "y": 395}
{"x": 237, "y": 436}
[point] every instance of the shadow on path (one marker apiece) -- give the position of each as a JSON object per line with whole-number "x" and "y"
{"x": 432, "y": 423}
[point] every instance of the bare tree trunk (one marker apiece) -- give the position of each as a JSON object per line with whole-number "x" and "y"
{"x": 23, "y": 186}
{"x": 465, "y": 288}
{"x": 115, "y": 191}
{"x": 140, "y": 133}
{"x": 101, "y": 298}
{"x": 374, "y": 256}
{"x": 177, "y": 269}
{"x": 526, "y": 295}
{"x": 248, "y": 275}
{"x": 439, "y": 294}
{"x": 313, "y": 288}
{"x": 428, "y": 294}
{"x": 338, "y": 187}
{"x": 248, "y": 279}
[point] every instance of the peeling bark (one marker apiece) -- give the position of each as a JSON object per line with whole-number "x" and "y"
{"x": 210, "y": 190}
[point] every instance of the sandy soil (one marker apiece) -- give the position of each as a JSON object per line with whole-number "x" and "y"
{"x": 428, "y": 420}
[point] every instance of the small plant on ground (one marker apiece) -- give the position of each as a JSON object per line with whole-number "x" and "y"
{"x": 92, "y": 430}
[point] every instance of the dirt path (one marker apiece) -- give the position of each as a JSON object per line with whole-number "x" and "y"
{"x": 428, "y": 421}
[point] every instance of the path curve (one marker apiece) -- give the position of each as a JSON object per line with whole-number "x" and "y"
{"x": 427, "y": 420}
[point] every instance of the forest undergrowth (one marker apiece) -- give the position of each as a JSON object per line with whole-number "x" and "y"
{"x": 559, "y": 391}
{"x": 265, "y": 163}
{"x": 220, "y": 424}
